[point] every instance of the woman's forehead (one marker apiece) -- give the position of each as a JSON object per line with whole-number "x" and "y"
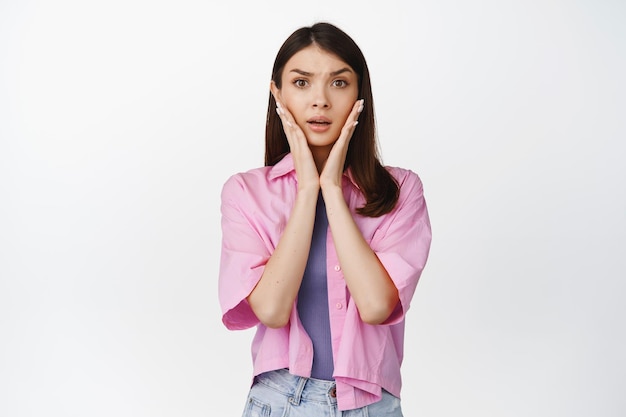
{"x": 316, "y": 60}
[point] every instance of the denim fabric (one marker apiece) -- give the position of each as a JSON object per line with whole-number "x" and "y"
{"x": 281, "y": 394}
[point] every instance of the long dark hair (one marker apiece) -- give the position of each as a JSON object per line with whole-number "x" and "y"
{"x": 377, "y": 185}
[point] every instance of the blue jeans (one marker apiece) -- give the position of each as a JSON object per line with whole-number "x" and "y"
{"x": 280, "y": 394}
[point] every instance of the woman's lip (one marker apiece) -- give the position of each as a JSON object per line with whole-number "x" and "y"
{"x": 318, "y": 127}
{"x": 319, "y": 119}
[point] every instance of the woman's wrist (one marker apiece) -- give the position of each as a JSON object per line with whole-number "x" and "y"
{"x": 334, "y": 199}
{"x": 307, "y": 193}
{"x": 330, "y": 190}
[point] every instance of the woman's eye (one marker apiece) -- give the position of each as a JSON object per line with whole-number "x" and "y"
{"x": 300, "y": 83}
{"x": 340, "y": 83}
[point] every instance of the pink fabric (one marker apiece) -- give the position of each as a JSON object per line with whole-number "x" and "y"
{"x": 255, "y": 208}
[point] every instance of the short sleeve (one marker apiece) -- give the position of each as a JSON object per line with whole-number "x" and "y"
{"x": 243, "y": 257}
{"x": 403, "y": 242}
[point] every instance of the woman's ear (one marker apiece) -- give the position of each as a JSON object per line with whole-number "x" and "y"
{"x": 275, "y": 91}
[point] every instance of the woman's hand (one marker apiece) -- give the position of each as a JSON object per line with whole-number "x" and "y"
{"x": 371, "y": 288}
{"x": 306, "y": 171}
{"x": 333, "y": 169}
{"x": 274, "y": 295}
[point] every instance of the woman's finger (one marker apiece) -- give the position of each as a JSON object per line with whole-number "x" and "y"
{"x": 306, "y": 170}
{"x": 284, "y": 116}
{"x": 333, "y": 170}
{"x": 290, "y": 127}
{"x": 348, "y": 128}
{"x": 282, "y": 113}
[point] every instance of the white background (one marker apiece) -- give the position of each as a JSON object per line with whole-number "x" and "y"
{"x": 121, "y": 120}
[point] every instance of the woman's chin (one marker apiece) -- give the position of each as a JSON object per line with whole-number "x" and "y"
{"x": 321, "y": 139}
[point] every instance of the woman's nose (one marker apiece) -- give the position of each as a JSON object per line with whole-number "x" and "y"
{"x": 321, "y": 98}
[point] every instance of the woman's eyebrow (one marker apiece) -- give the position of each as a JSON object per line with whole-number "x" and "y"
{"x": 332, "y": 74}
{"x": 340, "y": 71}
{"x": 301, "y": 72}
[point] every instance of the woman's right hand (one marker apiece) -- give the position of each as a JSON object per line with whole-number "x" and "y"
{"x": 273, "y": 297}
{"x": 306, "y": 170}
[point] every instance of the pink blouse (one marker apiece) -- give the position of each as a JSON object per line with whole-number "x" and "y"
{"x": 255, "y": 208}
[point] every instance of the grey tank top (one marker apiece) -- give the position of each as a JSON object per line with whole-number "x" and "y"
{"x": 313, "y": 298}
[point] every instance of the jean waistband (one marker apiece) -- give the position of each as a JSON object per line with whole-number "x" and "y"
{"x": 298, "y": 387}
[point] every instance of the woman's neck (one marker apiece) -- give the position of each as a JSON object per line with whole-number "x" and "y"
{"x": 320, "y": 155}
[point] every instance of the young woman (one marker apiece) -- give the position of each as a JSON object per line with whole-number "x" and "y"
{"x": 323, "y": 247}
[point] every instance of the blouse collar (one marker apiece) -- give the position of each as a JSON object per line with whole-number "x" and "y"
{"x": 285, "y": 166}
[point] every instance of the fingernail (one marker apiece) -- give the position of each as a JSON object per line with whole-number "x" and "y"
{"x": 361, "y": 106}
{"x": 278, "y": 110}
{"x": 355, "y": 123}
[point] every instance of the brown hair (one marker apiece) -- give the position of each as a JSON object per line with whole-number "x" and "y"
{"x": 376, "y": 183}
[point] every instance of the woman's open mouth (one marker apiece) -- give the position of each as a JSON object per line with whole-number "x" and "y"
{"x": 319, "y": 124}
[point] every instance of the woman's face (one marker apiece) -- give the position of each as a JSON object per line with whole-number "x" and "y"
{"x": 319, "y": 90}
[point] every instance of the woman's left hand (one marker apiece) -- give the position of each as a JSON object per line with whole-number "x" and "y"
{"x": 333, "y": 169}
{"x": 370, "y": 286}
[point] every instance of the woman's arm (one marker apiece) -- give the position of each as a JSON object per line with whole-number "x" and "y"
{"x": 273, "y": 297}
{"x": 370, "y": 286}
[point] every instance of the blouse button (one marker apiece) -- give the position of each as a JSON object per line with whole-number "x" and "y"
{"x": 337, "y": 268}
{"x": 338, "y": 305}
